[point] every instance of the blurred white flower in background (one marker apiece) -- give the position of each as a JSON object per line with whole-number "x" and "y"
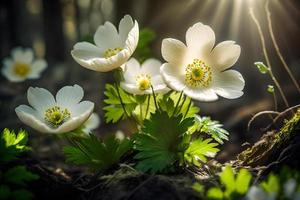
{"x": 139, "y": 78}
{"x": 257, "y": 193}
{"x": 48, "y": 115}
{"x": 22, "y": 65}
{"x": 112, "y": 48}
{"x": 92, "y": 123}
{"x": 120, "y": 135}
{"x": 198, "y": 69}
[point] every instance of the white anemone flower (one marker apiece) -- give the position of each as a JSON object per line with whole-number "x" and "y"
{"x": 22, "y": 65}
{"x": 61, "y": 114}
{"x": 112, "y": 48}
{"x": 257, "y": 193}
{"x": 92, "y": 123}
{"x": 198, "y": 69}
{"x": 138, "y": 79}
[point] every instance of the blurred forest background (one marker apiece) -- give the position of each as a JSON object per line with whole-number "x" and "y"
{"x": 52, "y": 27}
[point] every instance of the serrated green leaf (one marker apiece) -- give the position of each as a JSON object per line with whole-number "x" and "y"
{"x": 261, "y": 67}
{"x": 159, "y": 141}
{"x": 199, "y": 149}
{"x": 215, "y": 193}
{"x": 96, "y": 154}
{"x": 12, "y": 145}
{"x": 19, "y": 175}
{"x": 243, "y": 180}
{"x": 168, "y": 103}
{"x": 114, "y": 109}
{"x": 210, "y": 127}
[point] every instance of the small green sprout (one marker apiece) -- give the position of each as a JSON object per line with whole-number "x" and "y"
{"x": 270, "y": 89}
{"x": 261, "y": 67}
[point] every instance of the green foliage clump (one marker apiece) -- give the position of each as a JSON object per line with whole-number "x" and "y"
{"x": 13, "y": 180}
{"x": 96, "y": 154}
{"x": 235, "y": 186}
{"x": 164, "y": 141}
{"x": 114, "y": 109}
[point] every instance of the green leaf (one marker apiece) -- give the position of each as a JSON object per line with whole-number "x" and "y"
{"x": 158, "y": 142}
{"x": 12, "y": 145}
{"x": 262, "y": 67}
{"x": 215, "y": 193}
{"x": 19, "y": 175}
{"x": 114, "y": 109}
{"x": 243, "y": 180}
{"x": 168, "y": 103}
{"x": 227, "y": 178}
{"x": 210, "y": 127}
{"x": 96, "y": 154}
{"x": 198, "y": 150}
{"x": 272, "y": 185}
{"x": 143, "y": 50}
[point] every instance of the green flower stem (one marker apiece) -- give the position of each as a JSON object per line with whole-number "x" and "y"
{"x": 275, "y": 101}
{"x": 277, "y": 47}
{"x": 147, "y": 108}
{"x": 121, "y": 101}
{"x": 263, "y": 43}
{"x": 177, "y": 103}
{"x": 181, "y": 105}
{"x": 188, "y": 108}
{"x": 154, "y": 98}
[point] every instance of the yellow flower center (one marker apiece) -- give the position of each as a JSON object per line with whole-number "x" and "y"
{"x": 198, "y": 74}
{"x": 56, "y": 116}
{"x": 111, "y": 52}
{"x": 21, "y": 69}
{"x": 143, "y": 82}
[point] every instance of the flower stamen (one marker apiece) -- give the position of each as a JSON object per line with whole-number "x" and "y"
{"x": 198, "y": 74}
{"x": 143, "y": 81}
{"x": 111, "y": 52}
{"x": 21, "y": 69}
{"x": 56, "y": 116}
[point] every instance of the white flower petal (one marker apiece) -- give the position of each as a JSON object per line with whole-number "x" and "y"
{"x": 201, "y": 94}
{"x": 40, "y": 99}
{"x": 132, "y": 39}
{"x": 125, "y": 25}
{"x": 108, "y": 64}
{"x": 107, "y": 37}
{"x": 130, "y": 88}
{"x": 32, "y": 118}
{"x": 92, "y": 123}
{"x": 228, "y": 84}
{"x": 173, "y": 51}
{"x": 172, "y": 78}
{"x": 224, "y": 55}
{"x": 132, "y": 68}
{"x": 151, "y": 66}
{"x": 22, "y": 55}
{"x": 69, "y": 96}
{"x": 38, "y": 66}
{"x": 200, "y": 38}
{"x": 256, "y": 193}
